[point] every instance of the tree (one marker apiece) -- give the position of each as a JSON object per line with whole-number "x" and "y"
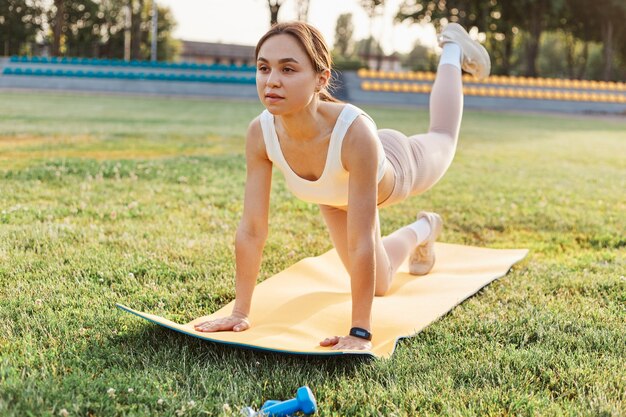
{"x": 302, "y": 10}
{"x": 373, "y": 8}
{"x": 499, "y": 19}
{"x": 601, "y": 23}
{"x": 112, "y": 33}
{"x": 344, "y": 31}
{"x": 274, "y": 6}
{"x": 20, "y": 21}
{"x": 365, "y": 48}
{"x": 76, "y": 27}
{"x": 167, "y": 46}
{"x": 138, "y": 17}
{"x": 421, "y": 58}
{"x": 610, "y": 15}
{"x": 57, "y": 23}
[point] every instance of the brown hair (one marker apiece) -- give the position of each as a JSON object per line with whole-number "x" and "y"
{"x": 314, "y": 45}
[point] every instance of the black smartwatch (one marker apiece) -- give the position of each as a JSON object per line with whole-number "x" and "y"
{"x": 360, "y": 333}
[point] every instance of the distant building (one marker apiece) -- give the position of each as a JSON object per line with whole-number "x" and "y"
{"x": 217, "y": 53}
{"x": 383, "y": 62}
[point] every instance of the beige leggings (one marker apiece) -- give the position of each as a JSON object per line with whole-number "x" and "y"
{"x": 418, "y": 162}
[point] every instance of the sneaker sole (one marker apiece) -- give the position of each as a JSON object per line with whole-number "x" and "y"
{"x": 422, "y": 269}
{"x": 471, "y": 48}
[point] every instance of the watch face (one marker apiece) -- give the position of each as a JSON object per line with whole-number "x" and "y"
{"x": 362, "y": 333}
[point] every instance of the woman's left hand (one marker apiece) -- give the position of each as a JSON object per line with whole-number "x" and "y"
{"x": 346, "y": 343}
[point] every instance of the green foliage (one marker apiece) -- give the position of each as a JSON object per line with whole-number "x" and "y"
{"x": 84, "y": 28}
{"x": 75, "y": 27}
{"x": 344, "y": 31}
{"x": 420, "y": 58}
{"x": 504, "y": 23}
{"x": 20, "y": 21}
{"x": 107, "y": 199}
{"x": 350, "y": 64}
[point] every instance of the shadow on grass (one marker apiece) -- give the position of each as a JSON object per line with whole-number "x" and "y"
{"x": 167, "y": 349}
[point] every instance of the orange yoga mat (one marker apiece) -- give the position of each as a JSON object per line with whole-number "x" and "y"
{"x": 309, "y": 301}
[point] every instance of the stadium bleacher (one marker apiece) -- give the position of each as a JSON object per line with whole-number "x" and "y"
{"x": 363, "y": 86}
{"x": 499, "y": 86}
{"x": 131, "y": 70}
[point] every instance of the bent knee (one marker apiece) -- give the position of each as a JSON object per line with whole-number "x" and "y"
{"x": 381, "y": 292}
{"x": 382, "y": 288}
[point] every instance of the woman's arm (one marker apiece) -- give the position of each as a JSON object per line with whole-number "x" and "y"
{"x": 360, "y": 159}
{"x": 251, "y": 232}
{"x": 253, "y": 228}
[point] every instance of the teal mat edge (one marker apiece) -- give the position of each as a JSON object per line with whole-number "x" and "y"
{"x": 244, "y": 345}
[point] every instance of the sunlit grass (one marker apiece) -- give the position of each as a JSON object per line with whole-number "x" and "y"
{"x": 109, "y": 199}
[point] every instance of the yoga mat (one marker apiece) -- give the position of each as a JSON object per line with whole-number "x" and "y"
{"x": 309, "y": 301}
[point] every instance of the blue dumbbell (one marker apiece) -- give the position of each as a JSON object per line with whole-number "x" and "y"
{"x": 304, "y": 402}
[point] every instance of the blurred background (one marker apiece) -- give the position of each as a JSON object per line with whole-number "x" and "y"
{"x": 574, "y": 39}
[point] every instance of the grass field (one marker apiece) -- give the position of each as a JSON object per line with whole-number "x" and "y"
{"x": 121, "y": 199}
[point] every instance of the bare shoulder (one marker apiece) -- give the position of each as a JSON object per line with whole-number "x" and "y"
{"x": 254, "y": 128}
{"x": 361, "y": 133}
{"x": 254, "y": 138}
{"x": 360, "y": 143}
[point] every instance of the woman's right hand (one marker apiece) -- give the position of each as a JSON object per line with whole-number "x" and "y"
{"x": 234, "y": 322}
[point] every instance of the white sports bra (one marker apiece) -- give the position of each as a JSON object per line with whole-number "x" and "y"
{"x": 331, "y": 188}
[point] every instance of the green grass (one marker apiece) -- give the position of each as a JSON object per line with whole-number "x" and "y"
{"x": 122, "y": 199}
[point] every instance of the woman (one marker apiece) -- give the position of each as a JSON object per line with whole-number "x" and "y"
{"x": 332, "y": 154}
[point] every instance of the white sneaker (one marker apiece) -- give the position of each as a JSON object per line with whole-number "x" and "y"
{"x": 422, "y": 259}
{"x": 475, "y": 59}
